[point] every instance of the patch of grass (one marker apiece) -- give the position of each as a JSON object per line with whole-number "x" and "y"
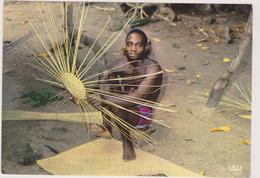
{"x": 41, "y": 97}
{"x": 175, "y": 45}
{"x": 137, "y": 23}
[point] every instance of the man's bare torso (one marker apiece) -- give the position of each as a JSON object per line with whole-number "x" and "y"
{"x": 138, "y": 70}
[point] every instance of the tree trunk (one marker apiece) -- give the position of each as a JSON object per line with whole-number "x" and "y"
{"x": 223, "y": 81}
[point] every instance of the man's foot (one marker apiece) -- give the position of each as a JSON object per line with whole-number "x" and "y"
{"x": 148, "y": 130}
{"x": 100, "y": 131}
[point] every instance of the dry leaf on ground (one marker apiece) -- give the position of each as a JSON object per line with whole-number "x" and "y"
{"x": 221, "y": 129}
{"x": 169, "y": 70}
{"x": 245, "y": 142}
{"x": 226, "y": 59}
{"x": 202, "y": 173}
{"x": 245, "y": 116}
{"x": 42, "y": 54}
{"x": 155, "y": 39}
{"x": 204, "y": 47}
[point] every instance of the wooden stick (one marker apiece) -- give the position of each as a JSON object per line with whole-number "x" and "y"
{"x": 105, "y": 9}
{"x": 16, "y": 115}
{"x": 205, "y": 36}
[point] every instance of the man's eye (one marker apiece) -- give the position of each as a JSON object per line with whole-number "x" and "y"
{"x": 139, "y": 44}
{"x": 128, "y": 44}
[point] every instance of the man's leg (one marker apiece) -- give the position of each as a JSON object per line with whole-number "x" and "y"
{"x": 105, "y": 130}
{"x": 128, "y": 148}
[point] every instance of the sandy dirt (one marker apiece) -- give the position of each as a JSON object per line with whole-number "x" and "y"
{"x": 188, "y": 143}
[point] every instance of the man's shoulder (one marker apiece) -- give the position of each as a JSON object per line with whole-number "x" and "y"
{"x": 152, "y": 64}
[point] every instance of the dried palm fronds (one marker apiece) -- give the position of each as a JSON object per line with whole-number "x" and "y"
{"x": 240, "y": 101}
{"x": 73, "y": 76}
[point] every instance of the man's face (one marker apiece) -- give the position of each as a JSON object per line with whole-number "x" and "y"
{"x": 135, "y": 46}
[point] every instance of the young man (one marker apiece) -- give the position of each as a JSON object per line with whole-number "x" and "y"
{"x": 146, "y": 85}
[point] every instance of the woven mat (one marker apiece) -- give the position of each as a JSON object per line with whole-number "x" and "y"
{"x": 103, "y": 157}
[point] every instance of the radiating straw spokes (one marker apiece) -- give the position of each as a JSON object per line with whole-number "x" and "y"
{"x": 67, "y": 40}
{"x": 243, "y": 92}
{"x": 52, "y": 39}
{"x": 48, "y": 68}
{"x": 84, "y": 103}
{"x": 57, "y": 47}
{"x": 131, "y": 99}
{"x": 113, "y": 69}
{"x": 66, "y": 98}
{"x": 128, "y": 126}
{"x": 52, "y": 62}
{"x": 125, "y": 78}
{"x": 97, "y": 38}
{"x": 132, "y": 129}
{"x": 75, "y": 54}
{"x": 99, "y": 53}
{"x": 123, "y": 108}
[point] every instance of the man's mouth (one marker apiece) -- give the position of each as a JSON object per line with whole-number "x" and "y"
{"x": 131, "y": 55}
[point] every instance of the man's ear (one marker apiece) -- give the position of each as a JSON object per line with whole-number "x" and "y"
{"x": 148, "y": 47}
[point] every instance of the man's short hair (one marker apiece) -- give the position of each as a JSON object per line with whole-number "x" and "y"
{"x": 140, "y": 32}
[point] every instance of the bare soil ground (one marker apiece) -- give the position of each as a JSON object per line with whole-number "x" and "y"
{"x": 189, "y": 143}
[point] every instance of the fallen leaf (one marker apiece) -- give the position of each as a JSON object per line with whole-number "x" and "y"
{"x": 202, "y": 173}
{"x": 245, "y": 116}
{"x": 204, "y": 47}
{"x": 169, "y": 70}
{"x": 155, "y": 39}
{"x": 245, "y": 142}
{"x": 212, "y": 31}
{"x": 216, "y": 40}
{"x": 226, "y": 59}
{"x": 221, "y": 129}
{"x": 201, "y": 29}
{"x": 188, "y": 81}
{"x": 206, "y": 94}
{"x": 173, "y": 24}
{"x": 43, "y": 54}
{"x": 22, "y": 23}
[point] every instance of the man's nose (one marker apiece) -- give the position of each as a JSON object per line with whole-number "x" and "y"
{"x": 133, "y": 48}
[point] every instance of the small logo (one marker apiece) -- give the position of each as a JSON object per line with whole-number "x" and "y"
{"x": 236, "y": 170}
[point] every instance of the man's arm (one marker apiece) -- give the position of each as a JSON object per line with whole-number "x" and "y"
{"x": 152, "y": 73}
